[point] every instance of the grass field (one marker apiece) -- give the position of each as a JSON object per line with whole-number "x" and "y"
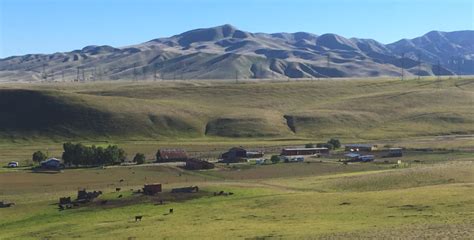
{"x": 429, "y": 196}
{"x": 363, "y": 200}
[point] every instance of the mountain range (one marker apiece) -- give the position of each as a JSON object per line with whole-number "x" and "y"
{"x": 225, "y": 52}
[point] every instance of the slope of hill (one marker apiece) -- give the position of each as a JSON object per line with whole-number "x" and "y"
{"x": 350, "y": 109}
{"x": 225, "y": 52}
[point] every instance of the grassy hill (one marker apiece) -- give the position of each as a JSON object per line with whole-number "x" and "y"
{"x": 350, "y": 109}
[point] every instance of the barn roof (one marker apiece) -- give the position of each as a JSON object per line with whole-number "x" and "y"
{"x": 173, "y": 153}
{"x": 304, "y": 149}
{"x": 359, "y": 145}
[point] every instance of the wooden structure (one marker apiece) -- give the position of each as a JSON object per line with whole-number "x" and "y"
{"x": 152, "y": 189}
{"x": 303, "y": 151}
{"x": 191, "y": 189}
{"x": 196, "y": 164}
{"x": 171, "y": 155}
{"x": 360, "y": 147}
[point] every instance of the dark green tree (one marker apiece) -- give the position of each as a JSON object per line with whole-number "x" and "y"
{"x": 39, "y": 156}
{"x": 139, "y": 158}
{"x": 275, "y": 159}
{"x": 335, "y": 142}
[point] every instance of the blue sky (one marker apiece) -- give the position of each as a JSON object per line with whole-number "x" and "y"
{"x": 48, "y": 26}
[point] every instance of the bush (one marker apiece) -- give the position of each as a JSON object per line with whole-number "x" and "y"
{"x": 275, "y": 159}
{"x": 309, "y": 145}
{"x": 335, "y": 143}
{"x": 139, "y": 158}
{"x": 39, "y": 156}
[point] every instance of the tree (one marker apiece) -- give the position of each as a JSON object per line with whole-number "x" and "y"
{"x": 39, "y": 156}
{"x": 139, "y": 158}
{"x": 335, "y": 142}
{"x": 309, "y": 145}
{"x": 275, "y": 159}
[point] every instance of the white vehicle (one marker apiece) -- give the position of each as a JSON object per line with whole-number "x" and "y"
{"x": 13, "y": 164}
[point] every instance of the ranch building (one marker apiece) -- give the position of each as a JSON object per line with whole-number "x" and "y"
{"x": 171, "y": 155}
{"x": 303, "y": 151}
{"x": 360, "y": 147}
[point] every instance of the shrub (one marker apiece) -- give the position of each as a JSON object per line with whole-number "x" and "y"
{"x": 39, "y": 156}
{"x": 275, "y": 159}
{"x": 335, "y": 143}
{"x": 139, "y": 158}
{"x": 309, "y": 145}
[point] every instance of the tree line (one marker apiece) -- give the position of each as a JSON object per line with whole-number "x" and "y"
{"x": 79, "y": 154}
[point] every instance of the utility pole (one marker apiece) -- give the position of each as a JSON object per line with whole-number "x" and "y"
{"x": 328, "y": 63}
{"x": 77, "y": 75}
{"x": 439, "y": 70}
{"x": 83, "y": 75}
{"x": 135, "y": 72}
{"x": 44, "y": 75}
{"x": 154, "y": 72}
{"x": 459, "y": 67}
{"x": 419, "y": 65}
{"x": 403, "y": 66}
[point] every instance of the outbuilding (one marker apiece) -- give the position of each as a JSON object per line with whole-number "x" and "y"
{"x": 360, "y": 147}
{"x": 235, "y": 154}
{"x": 171, "y": 155}
{"x": 197, "y": 164}
{"x": 52, "y": 163}
{"x": 303, "y": 151}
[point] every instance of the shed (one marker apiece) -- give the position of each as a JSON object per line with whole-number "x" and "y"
{"x": 152, "y": 189}
{"x": 303, "y": 151}
{"x": 235, "y": 154}
{"x": 395, "y": 152}
{"x": 171, "y": 155}
{"x": 360, "y": 147}
{"x": 197, "y": 164}
{"x": 52, "y": 163}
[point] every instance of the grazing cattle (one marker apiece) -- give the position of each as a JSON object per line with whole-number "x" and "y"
{"x": 120, "y": 196}
{"x": 231, "y": 193}
{"x": 118, "y": 189}
{"x": 171, "y": 210}
{"x": 5, "y": 205}
{"x": 121, "y": 180}
{"x": 65, "y": 200}
{"x": 138, "y": 218}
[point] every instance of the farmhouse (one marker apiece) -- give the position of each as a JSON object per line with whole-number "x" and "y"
{"x": 171, "y": 155}
{"x": 303, "y": 151}
{"x": 196, "y": 164}
{"x": 52, "y": 163}
{"x": 360, "y": 147}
